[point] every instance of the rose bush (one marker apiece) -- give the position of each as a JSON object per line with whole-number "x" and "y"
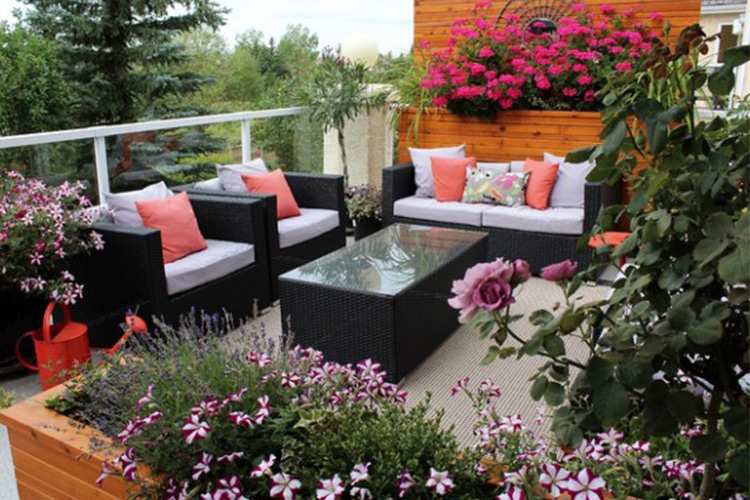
{"x": 490, "y": 67}
{"x": 40, "y": 227}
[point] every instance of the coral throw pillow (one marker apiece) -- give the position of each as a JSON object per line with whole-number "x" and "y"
{"x": 541, "y": 182}
{"x": 274, "y": 183}
{"x": 450, "y": 176}
{"x": 174, "y": 217}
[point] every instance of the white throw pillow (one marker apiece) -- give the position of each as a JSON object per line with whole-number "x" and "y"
{"x": 569, "y": 190}
{"x": 503, "y": 167}
{"x": 421, "y": 158}
{"x": 122, "y": 205}
{"x": 211, "y": 184}
{"x": 231, "y": 175}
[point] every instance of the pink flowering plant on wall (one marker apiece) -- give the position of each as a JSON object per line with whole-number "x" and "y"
{"x": 42, "y": 226}
{"x": 490, "y": 67}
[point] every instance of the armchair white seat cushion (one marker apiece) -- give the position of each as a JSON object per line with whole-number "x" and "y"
{"x": 310, "y": 223}
{"x": 524, "y": 218}
{"x": 454, "y": 212}
{"x": 218, "y": 260}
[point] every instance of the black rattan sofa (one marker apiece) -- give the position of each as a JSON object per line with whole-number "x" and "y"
{"x": 310, "y": 191}
{"x": 130, "y": 273}
{"x": 539, "y": 249}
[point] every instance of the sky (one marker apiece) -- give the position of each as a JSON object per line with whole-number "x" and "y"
{"x": 388, "y": 22}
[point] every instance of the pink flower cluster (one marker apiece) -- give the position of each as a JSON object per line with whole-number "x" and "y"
{"x": 39, "y": 226}
{"x": 489, "y": 67}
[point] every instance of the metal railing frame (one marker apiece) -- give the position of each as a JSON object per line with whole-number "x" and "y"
{"x": 99, "y": 135}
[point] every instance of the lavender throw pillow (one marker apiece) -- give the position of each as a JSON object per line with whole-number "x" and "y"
{"x": 122, "y": 205}
{"x": 231, "y": 175}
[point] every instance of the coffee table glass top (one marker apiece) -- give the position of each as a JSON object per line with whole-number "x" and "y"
{"x": 388, "y": 261}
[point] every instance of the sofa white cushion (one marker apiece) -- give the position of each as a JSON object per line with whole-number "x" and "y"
{"x": 516, "y": 166}
{"x": 218, "y": 260}
{"x": 503, "y": 167}
{"x": 231, "y": 175}
{"x": 569, "y": 190}
{"x": 454, "y": 212}
{"x": 421, "y": 158}
{"x": 525, "y": 218}
{"x": 122, "y": 205}
{"x": 310, "y": 223}
{"x": 211, "y": 184}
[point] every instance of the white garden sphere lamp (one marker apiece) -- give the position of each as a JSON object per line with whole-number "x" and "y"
{"x": 360, "y": 49}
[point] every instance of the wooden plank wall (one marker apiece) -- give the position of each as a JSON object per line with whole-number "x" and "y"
{"x": 433, "y": 18}
{"x": 511, "y": 135}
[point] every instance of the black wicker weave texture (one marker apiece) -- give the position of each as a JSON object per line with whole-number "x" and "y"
{"x": 398, "y": 331}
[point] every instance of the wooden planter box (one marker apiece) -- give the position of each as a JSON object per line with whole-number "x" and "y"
{"x": 510, "y": 135}
{"x": 53, "y": 454}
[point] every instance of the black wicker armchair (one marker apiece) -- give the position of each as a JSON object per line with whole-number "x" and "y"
{"x": 130, "y": 272}
{"x": 310, "y": 191}
{"x": 539, "y": 249}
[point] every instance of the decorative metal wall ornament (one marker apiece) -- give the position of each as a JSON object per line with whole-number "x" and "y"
{"x": 539, "y": 16}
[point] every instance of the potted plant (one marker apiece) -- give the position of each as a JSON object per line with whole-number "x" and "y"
{"x": 364, "y": 202}
{"x": 41, "y": 227}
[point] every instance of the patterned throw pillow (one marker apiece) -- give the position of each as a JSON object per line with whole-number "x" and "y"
{"x": 490, "y": 186}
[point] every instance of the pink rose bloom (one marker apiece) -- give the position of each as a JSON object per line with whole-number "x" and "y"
{"x": 569, "y": 92}
{"x": 490, "y": 75}
{"x": 623, "y": 67}
{"x": 485, "y": 285}
{"x": 560, "y": 271}
{"x": 542, "y": 82}
{"x": 589, "y": 96}
{"x": 580, "y": 68}
{"x": 521, "y": 271}
{"x": 615, "y": 49}
{"x": 607, "y": 9}
{"x": 514, "y": 92}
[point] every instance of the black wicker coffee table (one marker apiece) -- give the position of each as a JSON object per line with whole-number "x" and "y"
{"x": 384, "y": 297}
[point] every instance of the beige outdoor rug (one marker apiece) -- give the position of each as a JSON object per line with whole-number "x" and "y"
{"x": 460, "y": 356}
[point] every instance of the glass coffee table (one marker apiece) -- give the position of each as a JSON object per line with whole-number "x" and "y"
{"x": 383, "y": 297}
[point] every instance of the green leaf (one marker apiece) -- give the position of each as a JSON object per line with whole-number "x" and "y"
{"x": 554, "y": 394}
{"x": 709, "y": 448}
{"x": 737, "y": 423}
{"x": 739, "y": 467}
{"x": 615, "y": 137}
{"x": 627, "y": 246}
{"x": 737, "y": 56}
{"x": 742, "y": 229}
{"x": 599, "y": 369}
{"x": 657, "y": 133}
{"x": 658, "y": 421}
{"x": 507, "y": 352}
{"x": 565, "y": 428}
{"x": 554, "y": 346}
{"x": 721, "y": 81}
{"x": 735, "y": 267}
{"x": 718, "y": 225}
{"x": 580, "y": 155}
{"x": 683, "y": 406}
{"x": 709, "y": 249}
{"x": 638, "y": 202}
{"x": 610, "y": 402}
{"x": 671, "y": 280}
{"x": 492, "y": 353}
{"x": 538, "y": 388}
{"x": 541, "y": 317}
{"x": 571, "y": 319}
{"x": 634, "y": 374}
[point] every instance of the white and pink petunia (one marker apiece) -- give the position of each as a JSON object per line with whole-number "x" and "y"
{"x": 360, "y": 493}
{"x": 284, "y": 486}
{"x": 127, "y": 462}
{"x": 203, "y": 466}
{"x": 404, "y": 483}
{"x": 554, "y": 479}
{"x": 513, "y": 493}
{"x": 461, "y": 385}
{"x": 264, "y": 467}
{"x": 586, "y": 486}
{"x": 330, "y": 489}
{"x": 439, "y": 481}
{"x": 230, "y": 457}
{"x": 241, "y": 419}
{"x": 360, "y": 472}
{"x": 194, "y": 429}
{"x": 147, "y": 398}
{"x": 259, "y": 359}
{"x": 106, "y": 471}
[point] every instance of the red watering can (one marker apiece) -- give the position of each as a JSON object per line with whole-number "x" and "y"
{"x": 58, "y": 347}
{"x": 133, "y": 323}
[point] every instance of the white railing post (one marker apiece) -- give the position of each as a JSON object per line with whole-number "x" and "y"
{"x": 246, "y": 144}
{"x": 102, "y": 167}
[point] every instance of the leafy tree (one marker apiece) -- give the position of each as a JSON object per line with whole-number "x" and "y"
{"x": 120, "y": 54}
{"x": 34, "y": 95}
